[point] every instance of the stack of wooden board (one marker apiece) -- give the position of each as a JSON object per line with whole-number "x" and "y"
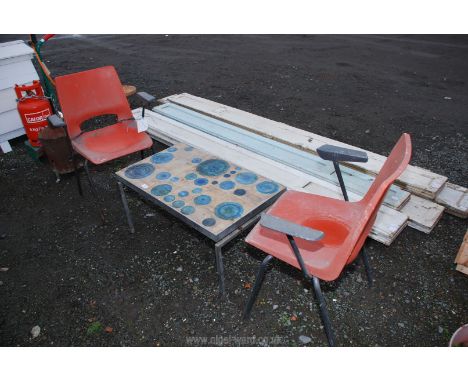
{"x": 462, "y": 258}
{"x": 15, "y": 68}
{"x": 288, "y": 156}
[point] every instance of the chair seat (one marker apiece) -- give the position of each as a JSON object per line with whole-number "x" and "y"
{"x": 111, "y": 142}
{"x": 326, "y": 258}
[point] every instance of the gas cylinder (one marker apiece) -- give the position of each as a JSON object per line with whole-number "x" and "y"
{"x": 33, "y": 108}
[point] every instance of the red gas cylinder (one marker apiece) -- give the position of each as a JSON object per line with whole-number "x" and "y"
{"x": 33, "y": 108}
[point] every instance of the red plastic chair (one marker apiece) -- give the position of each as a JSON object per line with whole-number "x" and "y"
{"x": 92, "y": 93}
{"x": 320, "y": 235}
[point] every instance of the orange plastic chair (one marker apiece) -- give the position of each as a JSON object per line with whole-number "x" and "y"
{"x": 93, "y": 93}
{"x": 320, "y": 235}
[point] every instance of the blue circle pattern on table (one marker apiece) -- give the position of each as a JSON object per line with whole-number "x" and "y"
{"x": 191, "y": 176}
{"x": 209, "y": 222}
{"x": 233, "y": 172}
{"x": 227, "y": 185}
{"x": 183, "y": 194}
{"x": 214, "y": 182}
{"x": 238, "y": 168}
{"x": 172, "y": 149}
{"x": 178, "y": 204}
{"x": 161, "y": 158}
{"x": 197, "y": 190}
{"x": 175, "y": 179}
{"x": 246, "y": 177}
{"x": 213, "y": 167}
{"x": 196, "y": 160}
{"x": 202, "y": 200}
{"x": 187, "y": 210}
{"x": 169, "y": 198}
{"x": 161, "y": 189}
{"x": 200, "y": 181}
{"x": 163, "y": 175}
{"x": 267, "y": 187}
{"x": 140, "y": 170}
{"x": 229, "y": 210}
{"x": 188, "y": 148}
{"x": 227, "y": 175}
{"x": 240, "y": 192}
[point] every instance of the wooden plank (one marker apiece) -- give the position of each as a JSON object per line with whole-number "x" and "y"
{"x": 462, "y": 269}
{"x": 303, "y": 161}
{"x": 422, "y": 213}
{"x": 455, "y": 199}
{"x": 462, "y": 256}
{"x": 414, "y": 179}
{"x": 388, "y": 224}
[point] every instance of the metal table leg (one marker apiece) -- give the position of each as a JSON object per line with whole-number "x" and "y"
{"x": 219, "y": 254}
{"x": 125, "y": 205}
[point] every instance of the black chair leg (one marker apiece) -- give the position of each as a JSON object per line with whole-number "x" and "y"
{"x": 365, "y": 260}
{"x": 257, "y": 286}
{"x": 323, "y": 311}
{"x": 94, "y": 192}
{"x": 153, "y": 151}
{"x": 142, "y": 154}
{"x": 77, "y": 174}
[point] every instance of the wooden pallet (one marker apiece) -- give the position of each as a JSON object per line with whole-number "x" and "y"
{"x": 462, "y": 257}
{"x": 414, "y": 179}
{"x": 389, "y": 222}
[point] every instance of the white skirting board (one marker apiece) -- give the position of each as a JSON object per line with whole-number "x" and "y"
{"x": 424, "y": 213}
{"x": 419, "y": 181}
{"x": 389, "y": 222}
{"x": 455, "y": 199}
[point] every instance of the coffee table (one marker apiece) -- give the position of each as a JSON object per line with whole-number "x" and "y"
{"x": 217, "y": 198}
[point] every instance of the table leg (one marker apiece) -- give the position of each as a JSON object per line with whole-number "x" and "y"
{"x": 220, "y": 268}
{"x": 125, "y": 205}
{"x": 219, "y": 254}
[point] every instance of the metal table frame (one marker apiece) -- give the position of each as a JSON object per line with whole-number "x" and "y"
{"x": 221, "y": 240}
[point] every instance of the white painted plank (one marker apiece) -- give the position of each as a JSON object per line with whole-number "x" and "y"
{"x": 455, "y": 199}
{"x": 385, "y": 230}
{"x": 414, "y": 179}
{"x": 423, "y": 214}
{"x": 307, "y": 163}
{"x": 293, "y": 157}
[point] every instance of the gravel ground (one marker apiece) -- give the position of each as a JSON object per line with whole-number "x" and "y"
{"x": 84, "y": 283}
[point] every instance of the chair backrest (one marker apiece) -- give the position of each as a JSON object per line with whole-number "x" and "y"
{"x": 391, "y": 170}
{"x": 89, "y": 94}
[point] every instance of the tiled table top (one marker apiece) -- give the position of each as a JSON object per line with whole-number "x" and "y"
{"x": 210, "y": 194}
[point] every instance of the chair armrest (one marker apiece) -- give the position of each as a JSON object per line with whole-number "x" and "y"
{"x": 55, "y": 121}
{"x": 338, "y": 154}
{"x": 289, "y": 228}
{"x": 146, "y": 97}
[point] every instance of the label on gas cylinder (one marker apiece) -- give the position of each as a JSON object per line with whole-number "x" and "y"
{"x": 37, "y": 117}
